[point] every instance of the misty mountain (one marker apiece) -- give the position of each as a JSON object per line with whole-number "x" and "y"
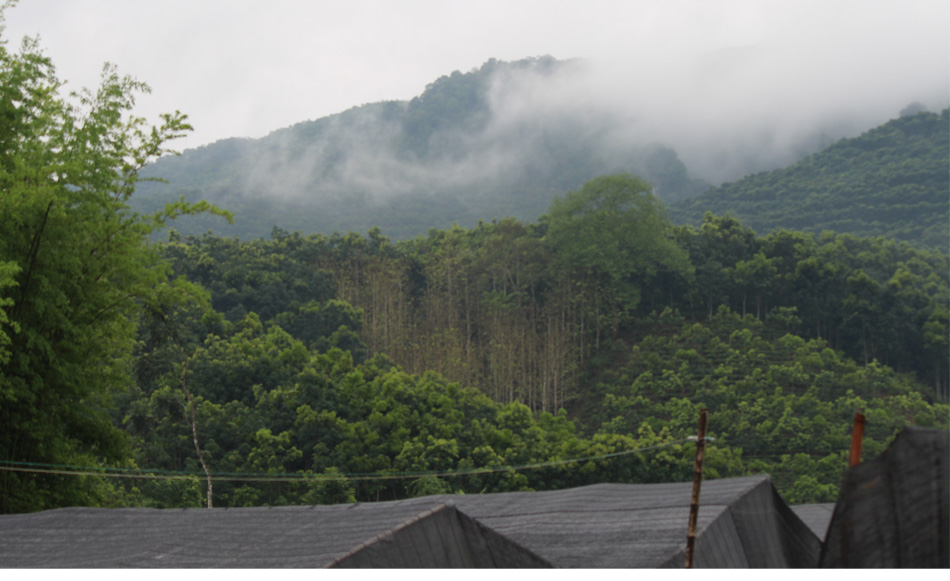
{"x": 498, "y": 141}
{"x": 891, "y": 181}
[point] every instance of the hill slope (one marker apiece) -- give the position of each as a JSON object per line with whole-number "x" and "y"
{"x": 892, "y": 181}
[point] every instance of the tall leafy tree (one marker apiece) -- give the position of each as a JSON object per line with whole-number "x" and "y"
{"x": 614, "y": 226}
{"x": 613, "y": 236}
{"x": 75, "y": 268}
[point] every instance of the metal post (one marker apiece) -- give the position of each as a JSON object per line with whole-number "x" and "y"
{"x": 857, "y": 436}
{"x": 697, "y": 482}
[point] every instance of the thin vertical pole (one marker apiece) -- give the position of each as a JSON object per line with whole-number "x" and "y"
{"x": 857, "y": 436}
{"x": 697, "y": 482}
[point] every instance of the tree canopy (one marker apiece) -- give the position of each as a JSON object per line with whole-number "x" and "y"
{"x": 613, "y": 227}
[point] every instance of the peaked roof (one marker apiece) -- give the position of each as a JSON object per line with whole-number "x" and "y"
{"x": 742, "y": 523}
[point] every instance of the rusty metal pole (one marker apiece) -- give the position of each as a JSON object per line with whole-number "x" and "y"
{"x": 697, "y": 482}
{"x": 857, "y": 437}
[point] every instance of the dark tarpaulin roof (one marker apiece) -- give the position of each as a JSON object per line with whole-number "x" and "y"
{"x": 742, "y": 523}
{"x": 894, "y": 511}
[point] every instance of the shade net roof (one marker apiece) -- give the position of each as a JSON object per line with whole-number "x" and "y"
{"x": 894, "y": 511}
{"x": 742, "y": 523}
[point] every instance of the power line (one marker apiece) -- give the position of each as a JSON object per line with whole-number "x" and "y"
{"x": 70, "y": 470}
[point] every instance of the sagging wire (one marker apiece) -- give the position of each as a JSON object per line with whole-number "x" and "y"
{"x": 69, "y": 470}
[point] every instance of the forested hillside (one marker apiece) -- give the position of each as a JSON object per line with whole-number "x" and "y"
{"x": 892, "y": 181}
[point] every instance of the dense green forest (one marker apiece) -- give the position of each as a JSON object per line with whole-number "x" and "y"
{"x": 511, "y": 355}
{"x": 512, "y": 345}
{"x": 891, "y": 181}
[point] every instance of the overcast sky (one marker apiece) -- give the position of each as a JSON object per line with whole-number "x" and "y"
{"x": 243, "y": 68}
